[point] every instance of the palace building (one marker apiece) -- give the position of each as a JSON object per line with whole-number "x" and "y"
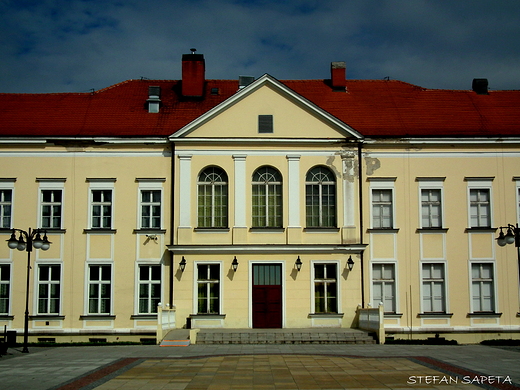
{"x": 260, "y": 203}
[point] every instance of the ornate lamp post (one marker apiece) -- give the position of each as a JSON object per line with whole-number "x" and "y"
{"x": 512, "y": 236}
{"x": 26, "y": 242}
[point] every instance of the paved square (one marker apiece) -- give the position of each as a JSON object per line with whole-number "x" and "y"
{"x": 282, "y": 372}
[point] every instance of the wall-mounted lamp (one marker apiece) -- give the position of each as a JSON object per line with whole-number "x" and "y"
{"x": 234, "y": 264}
{"x": 350, "y": 263}
{"x": 182, "y": 264}
{"x": 298, "y": 264}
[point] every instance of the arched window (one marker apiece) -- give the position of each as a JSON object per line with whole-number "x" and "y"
{"x": 267, "y": 198}
{"x": 213, "y": 198}
{"x": 320, "y": 198}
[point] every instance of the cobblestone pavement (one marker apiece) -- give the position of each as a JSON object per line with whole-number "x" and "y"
{"x": 271, "y": 366}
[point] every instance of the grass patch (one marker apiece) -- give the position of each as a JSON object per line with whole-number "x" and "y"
{"x": 502, "y": 342}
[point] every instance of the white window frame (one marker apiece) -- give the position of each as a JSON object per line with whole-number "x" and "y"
{"x": 431, "y": 184}
{"x": 49, "y": 283}
{"x": 51, "y": 185}
{"x": 7, "y": 184}
{"x": 480, "y": 184}
{"x": 149, "y": 282}
{"x": 395, "y": 284}
{"x": 196, "y": 283}
{"x": 149, "y": 185}
{"x": 337, "y": 263}
{"x": 494, "y": 299}
{"x": 517, "y": 197}
{"x": 382, "y": 184}
{"x": 9, "y": 283}
{"x": 101, "y": 185}
{"x": 225, "y": 204}
{"x": 88, "y": 283}
{"x": 431, "y": 281}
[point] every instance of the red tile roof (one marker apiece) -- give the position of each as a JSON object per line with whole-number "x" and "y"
{"x": 375, "y": 108}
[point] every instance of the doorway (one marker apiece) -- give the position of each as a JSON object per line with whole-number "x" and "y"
{"x": 267, "y": 295}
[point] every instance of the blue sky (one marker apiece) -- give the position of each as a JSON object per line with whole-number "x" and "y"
{"x": 80, "y": 45}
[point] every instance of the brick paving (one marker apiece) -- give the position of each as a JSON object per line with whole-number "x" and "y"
{"x": 268, "y": 366}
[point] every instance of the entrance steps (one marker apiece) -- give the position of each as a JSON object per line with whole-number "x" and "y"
{"x": 284, "y": 336}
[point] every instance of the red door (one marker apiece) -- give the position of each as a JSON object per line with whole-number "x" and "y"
{"x": 267, "y": 296}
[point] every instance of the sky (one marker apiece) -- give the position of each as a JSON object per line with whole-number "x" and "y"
{"x": 83, "y": 45}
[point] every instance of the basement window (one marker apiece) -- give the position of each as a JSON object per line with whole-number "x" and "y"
{"x": 265, "y": 123}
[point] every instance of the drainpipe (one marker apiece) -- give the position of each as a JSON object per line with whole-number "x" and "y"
{"x": 172, "y": 220}
{"x": 360, "y": 194}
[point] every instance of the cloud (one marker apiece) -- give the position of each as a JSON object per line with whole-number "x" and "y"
{"x": 78, "y": 45}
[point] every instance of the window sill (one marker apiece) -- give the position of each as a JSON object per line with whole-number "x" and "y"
{"x": 149, "y": 231}
{"x": 485, "y": 314}
{"x": 46, "y": 317}
{"x": 144, "y": 317}
{"x": 326, "y": 315}
{"x": 212, "y": 230}
{"x": 383, "y": 230}
{"x": 95, "y": 231}
{"x": 5, "y": 317}
{"x": 435, "y": 315}
{"x": 480, "y": 230}
{"x": 267, "y": 230}
{"x": 392, "y": 315}
{"x": 432, "y": 230}
{"x": 321, "y": 230}
{"x": 208, "y": 316}
{"x": 97, "y": 317}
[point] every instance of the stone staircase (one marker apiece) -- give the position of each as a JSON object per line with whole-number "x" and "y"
{"x": 284, "y": 336}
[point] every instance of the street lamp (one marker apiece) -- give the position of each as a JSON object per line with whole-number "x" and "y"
{"x": 25, "y": 242}
{"x": 512, "y": 236}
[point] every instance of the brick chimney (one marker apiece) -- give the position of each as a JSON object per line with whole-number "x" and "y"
{"x": 193, "y": 74}
{"x": 338, "y": 74}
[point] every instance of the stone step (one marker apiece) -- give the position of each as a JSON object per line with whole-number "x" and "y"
{"x": 281, "y": 337}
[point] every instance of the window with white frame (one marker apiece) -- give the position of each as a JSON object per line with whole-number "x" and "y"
{"x": 382, "y": 209}
{"x": 149, "y": 288}
{"x": 383, "y": 286}
{"x": 6, "y": 207}
{"x": 433, "y": 288}
{"x": 267, "y": 198}
{"x": 101, "y": 208}
{"x": 51, "y": 208}
{"x": 208, "y": 288}
{"x": 5, "y": 281}
{"x": 320, "y": 198}
{"x": 49, "y": 277}
{"x": 151, "y": 209}
{"x": 99, "y": 288}
{"x": 431, "y": 208}
{"x": 480, "y": 207}
{"x": 212, "y": 198}
{"x": 482, "y": 287}
{"x": 325, "y": 288}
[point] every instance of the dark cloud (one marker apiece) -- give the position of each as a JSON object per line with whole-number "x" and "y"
{"x": 78, "y": 45}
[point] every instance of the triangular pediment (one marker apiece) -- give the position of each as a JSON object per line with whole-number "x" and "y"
{"x": 293, "y": 117}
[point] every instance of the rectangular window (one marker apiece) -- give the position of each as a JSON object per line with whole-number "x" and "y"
{"x": 99, "y": 289}
{"x": 480, "y": 207}
{"x": 382, "y": 209}
{"x": 431, "y": 208}
{"x": 5, "y": 279}
{"x": 101, "y": 209}
{"x": 325, "y": 288}
{"x": 150, "y": 209}
{"x": 482, "y": 286}
{"x": 149, "y": 288}
{"x": 51, "y": 202}
{"x": 208, "y": 286}
{"x": 49, "y": 289}
{"x": 383, "y": 286}
{"x": 433, "y": 284}
{"x": 265, "y": 123}
{"x": 6, "y": 206}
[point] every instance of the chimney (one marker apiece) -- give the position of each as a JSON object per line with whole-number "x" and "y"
{"x": 193, "y": 74}
{"x": 480, "y": 86}
{"x": 338, "y": 75}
